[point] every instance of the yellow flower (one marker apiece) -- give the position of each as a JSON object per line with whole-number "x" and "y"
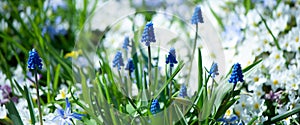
{"x": 73, "y": 54}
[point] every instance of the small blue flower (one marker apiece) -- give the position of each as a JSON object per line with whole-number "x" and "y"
{"x": 118, "y": 60}
{"x": 214, "y": 70}
{"x": 237, "y": 74}
{"x": 183, "y": 91}
{"x": 148, "y": 34}
{"x": 171, "y": 58}
{"x": 126, "y": 43}
{"x": 34, "y": 60}
{"x": 154, "y": 106}
{"x": 230, "y": 121}
{"x": 66, "y": 116}
{"x": 130, "y": 65}
{"x": 197, "y": 16}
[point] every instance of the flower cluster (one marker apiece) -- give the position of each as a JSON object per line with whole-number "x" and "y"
{"x": 118, "y": 60}
{"x": 183, "y": 91}
{"x": 148, "y": 34}
{"x": 155, "y": 106}
{"x": 171, "y": 58}
{"x": 214, "y": 71}
{"x": 34, "y": 60}
{"x": 197, "y": 16}
{"x": 237, "y": 74}
{"x": 130, "y": 65}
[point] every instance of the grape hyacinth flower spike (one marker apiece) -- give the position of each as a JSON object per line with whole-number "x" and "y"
{"x": 35, "y": 63}
{"x": 126, "y": 43}
{"x": 183, "y": 91}
{"x": 171, "y": 58}
{"x": 118, "y": 60}
{"x": 66, "y": 116}
{"x": 214, "y": 71}
{"x": 147, "y": 37}
{"x": 154, "y": 106}
{"x": 197, "y": 16}
{"x": 148, "y": 34}
{"x": 34, "y": 60}
{"x": 237, "y": 74}
{"x": 130, "y": 65}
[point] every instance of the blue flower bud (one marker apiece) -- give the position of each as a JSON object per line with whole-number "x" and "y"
{"x": 214, "y": 70}
{"x": 118, "y": 60}
{"x": 237, "y": 74}
{"x": 183, "y": 91}
{"x": 130, "y": 65}
{"x": 154, "y": 106}
{"x": 34, "y": 60}
{"x": 148, "y": 34}
{"x": 171, "y": 58}
{"x": 126, "y": 43}
{"x": 197, "y": 16}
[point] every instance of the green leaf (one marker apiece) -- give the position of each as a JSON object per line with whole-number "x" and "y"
{"x": 247, "y": 5}
{"x": 269, "y": 30}
{"x": 251, "y": 66}
{"x": 56, "y": 76}
{"x": 30, "y": 104}
{"x": 182, "y": 101}
{"x": 252, "y": 120}
{"x": 178, "y": 68}
{"x": 13, "y": 113}
{"x": 285, "y": 115}
{"x": 179, "y": 113}
{"x": 219, "y": 20}
{"x": 85, "y": 91}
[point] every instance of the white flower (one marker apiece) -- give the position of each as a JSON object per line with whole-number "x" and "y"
{"x": 3, "y": 112}
{"x": 63, "y": 94}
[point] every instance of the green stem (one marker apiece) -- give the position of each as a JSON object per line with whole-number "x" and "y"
{"x": 212, "y": 87}
{"x": 129, "y": 84}
{"x": 149, "y": 65}
{"x": 38, "y": 96}
{"x": 193, "y": 54}
{"x": 170, "y": 96}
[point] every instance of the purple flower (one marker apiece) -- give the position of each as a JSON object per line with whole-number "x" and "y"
{"x": 5, "y": 91}
{"x": 66, "y": 116}
{"x": 273, "y": 96}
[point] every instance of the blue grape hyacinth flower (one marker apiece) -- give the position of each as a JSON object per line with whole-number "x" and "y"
{"x": 126, "y": 43}
{"x": 66, "y": 116}
{"x": 230, "y": 121}
{"x": 214, "y": 70}
{"x": 130, "y": 65}
{"x": 154, "y": 106}
{"x": 171, "y": 58}
{"x": 34, "y": 60}
{"x": 118, "y": 60}
{"x": 197, "y": 16}
{"x": 148, "y": 34}
{"x": 237, "y": 74}
{"x": 183, "y": 91}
